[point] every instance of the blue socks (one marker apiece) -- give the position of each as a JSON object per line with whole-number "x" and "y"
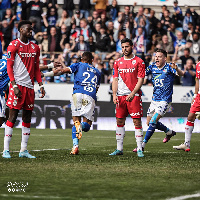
{"x": 149, "y": 132}
{"x": 161, "y": 127}
{"x": 74, "y": 138}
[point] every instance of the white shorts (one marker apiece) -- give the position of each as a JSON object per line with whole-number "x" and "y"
{"x": 2, "y": 106}
{"x": 83, "y": 105}
{"x": 159, "y": 107}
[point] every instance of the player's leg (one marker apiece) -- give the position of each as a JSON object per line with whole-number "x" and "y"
{"x": 151, "y": 128}
{"x": 138, "y": 136}
{"x": 121, "y": 114}
{"x": 120, "y": 134}
{"x": 26, "y": 123}
{"x": 188, "y": 133}
{"x": 9, "y": 130}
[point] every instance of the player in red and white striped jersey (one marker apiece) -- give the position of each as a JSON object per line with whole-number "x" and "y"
{"x": 194, "y": 111}
{"x": 129, "y": 73}
{"x": 22, "y": 67}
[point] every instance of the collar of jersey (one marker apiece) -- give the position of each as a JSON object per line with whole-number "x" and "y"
{"x": 23, "y": 42}
{"x": 130, "y": 58}
{"x": 162, "y": 67}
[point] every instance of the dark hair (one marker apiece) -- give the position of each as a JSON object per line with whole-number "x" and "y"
{"x": 127, "y": 40}
{"x": 23, "y": 22}
{"x": 187, "y": 49}
{"x": 87, "y": 57}
{"x": 162, "y": 51}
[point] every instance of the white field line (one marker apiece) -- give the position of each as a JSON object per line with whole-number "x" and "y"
{"x": 33, "y": 197}
{"x": 185, "y": 197}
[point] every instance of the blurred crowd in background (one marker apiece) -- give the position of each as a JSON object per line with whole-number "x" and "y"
{"x": 64, "y": 32}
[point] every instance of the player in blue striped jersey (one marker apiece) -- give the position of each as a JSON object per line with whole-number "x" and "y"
{"x": 4, "y": 79}
{"x": 86, "y": 84}
{"x": 162, "y": 78}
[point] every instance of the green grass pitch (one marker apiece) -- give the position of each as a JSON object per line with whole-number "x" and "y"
{"x": 162, "y": 174}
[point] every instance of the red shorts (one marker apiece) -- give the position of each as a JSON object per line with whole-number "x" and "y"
{"x": 134, "y": 108}
{"x": 196, "y": 105}
{"x": 26, "y": 101}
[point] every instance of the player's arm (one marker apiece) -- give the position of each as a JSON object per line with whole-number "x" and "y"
{"x": 114, "y": 89}
{"x": 135, "y": 90}
{"x": 37, "y": 74}
{"x": 51, "y": 66}
{"x": 179, "y": 71}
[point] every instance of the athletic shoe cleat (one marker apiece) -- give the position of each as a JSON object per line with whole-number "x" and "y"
{"x": 78, "y": 126}
{"x": 140, "y": 153}
{"x": 135, "y": 150}
{"x": 116, "y": 153}
{"x": 6, "y": 154}
{"x": 183, "y": 147}
{"x": 168, "y": 137}
{"x": 25, "y": 154}
{"x": 74, "y": 150}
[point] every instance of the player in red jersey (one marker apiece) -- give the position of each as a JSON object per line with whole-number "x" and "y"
{"x": 129, "y": 73}
{"x": 194, "y": 111}
{"x": 22, "y": 67}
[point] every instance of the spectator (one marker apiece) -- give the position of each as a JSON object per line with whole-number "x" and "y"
{"x": 81, "y": 45}
{"x": 7, "y": 34}
{"x": 159, "y": 30}
{"x": 65, "y": 19}
{"x": 35, "y": 10}
{"x": 50, "y": 20}
{"x": 95, "y": 17}
{"x": 103, "y": 20}
{"x": 183, "y": 58}
{"x": 190, "y": 31}
{"x": 186, "y": 20}
{"x": 177, "y": 13}
{"x": 85, "y": 30}
{"x": 42, "y": 39}
{"x": 166, "y": 19}
{"x": 152, "y": 20}
{"x": 110, "y": 28}
{"x": 164, "y": 8}
{"x": 139, "y": 41}
{"x": 69, "y": 7}
{"x": 125, "y": 18}
{"x": 19, "y": 8}
{"x": 195, "y": 49}
{"x": 100, "y": 6}
{"x": 15, "y": 32}
{"x": 140, "y": 14}
{"x": 91, "y": 44}
{"x": 179, "y": 42}
{"x": 9, "y": 17}
{"x": 77, "y": 18}
{"x": 104, "y": 72}
{"x": 85, "y": 7}
{"x": 4, "y": 4}
{"x": 54, "y": 41}
{"x": 189, "y": 74}
{"x": 165, "y": 44}
{"x": 102, "y": 41}
{"x": 113, "y": 10}
{"x": 52, "y": 3}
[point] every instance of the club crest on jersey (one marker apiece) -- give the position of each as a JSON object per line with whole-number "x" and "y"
{"x": 9, "y": 54}
{"x": 165, "y": 70}
{"x": 32, "y": 46}
{"x": 133, "y": 62}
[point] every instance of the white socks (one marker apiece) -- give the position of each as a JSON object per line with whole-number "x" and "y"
{"x": 120, "y": 134}
{"x": 7, "y": 137}
{"x": 188, "y": 132}
{"x": 139, "y": 137}
{"x": 25, "y": 137}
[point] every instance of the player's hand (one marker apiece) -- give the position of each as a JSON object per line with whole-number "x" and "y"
{"x": 17, "y": 92}
{"x": 42, "y": 75}
{"x": 57, "y": 64}
{"x": 57, "y": 71}
{"x": 115, "y": 99}
{"x": 42, "y": 92}
{"x": 130, "y": 97}
{"x": 174, "y": 66}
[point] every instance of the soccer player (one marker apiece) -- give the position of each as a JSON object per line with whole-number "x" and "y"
{"x": 4, "y": 79}
{"x": 86, "y": 84}
{"x": 194, "y": 111}
{"x": 128, "y": 77}
{"x": 22, "y": 68}
{"x": 162, "y": 78}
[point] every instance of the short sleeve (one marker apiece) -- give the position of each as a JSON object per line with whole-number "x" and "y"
{"x": 141, "y": 69}
{"x": 115, "y": 70}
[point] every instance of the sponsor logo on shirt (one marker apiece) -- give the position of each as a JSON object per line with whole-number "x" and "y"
{"x": 27, "y": 55}
{"x": 133, "y": 62}
{"x": 130, "y": 70}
